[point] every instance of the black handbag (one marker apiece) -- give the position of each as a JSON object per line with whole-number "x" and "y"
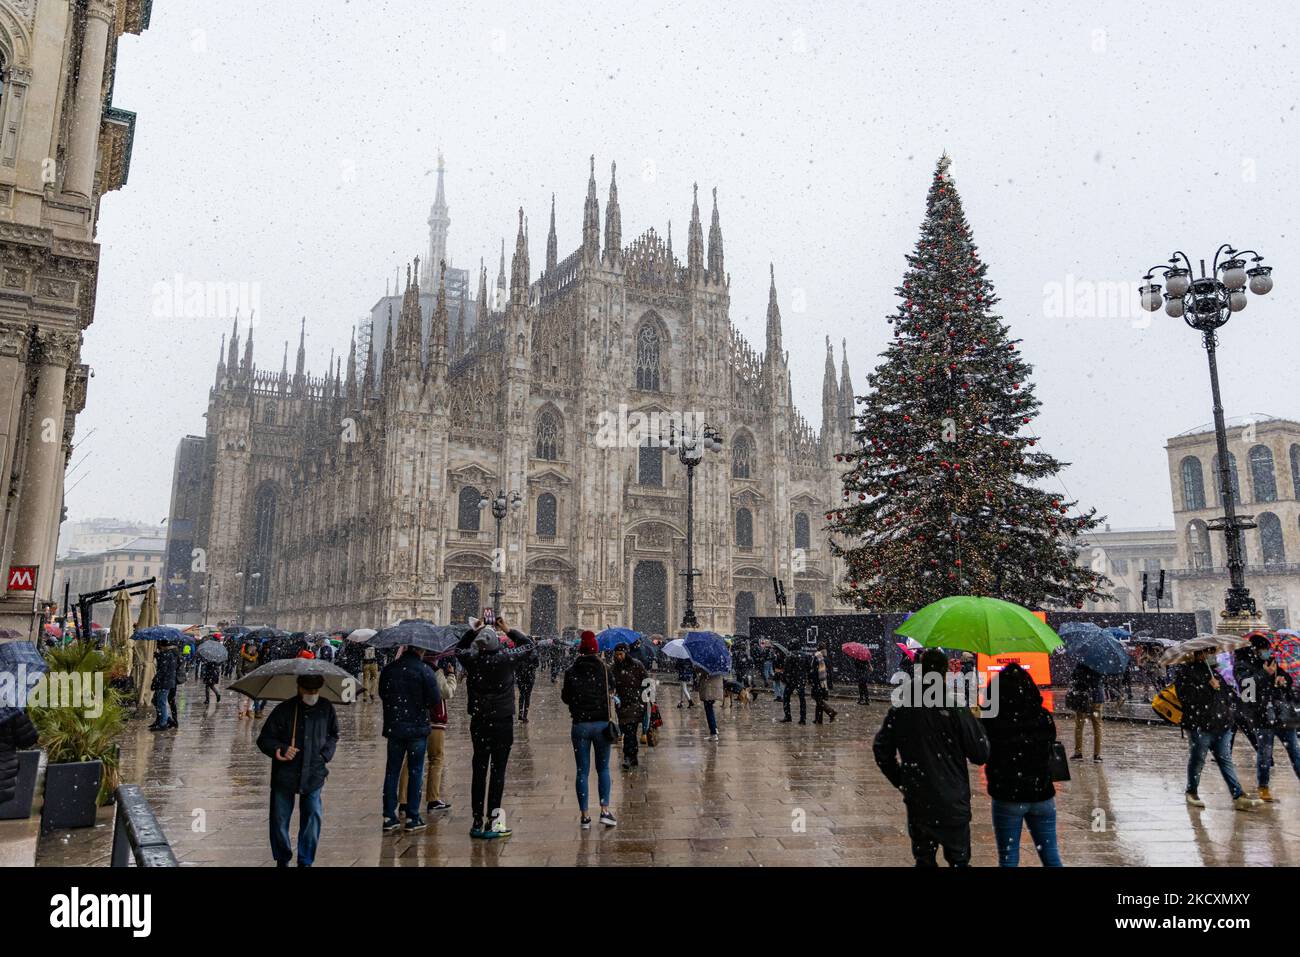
{"x": 613, "y": 730}
{"x": 1058, "y": 764}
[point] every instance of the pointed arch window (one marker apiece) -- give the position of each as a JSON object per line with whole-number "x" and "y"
{"x": 648, "y": 357}
{"x": 650, "y": 465}
{"x": 802, "y": 538}
{"x": 550, "y": 442}
{"x": 742, "y": 456}
{"x": 1261, "y": 474}
{"x": 744, "y": 528}
{"x": 1193, "y": 484}
{"x": 467, "y": 510}
{"x": 546, "y": 515}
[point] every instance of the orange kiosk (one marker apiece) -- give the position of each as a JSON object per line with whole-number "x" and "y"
{"x": 1037, "y": 663}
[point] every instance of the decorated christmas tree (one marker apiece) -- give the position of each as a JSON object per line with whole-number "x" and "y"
{"x": 947, "y": 492}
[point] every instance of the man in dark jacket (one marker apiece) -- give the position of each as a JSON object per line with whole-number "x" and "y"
{"x": 409, "y": 691}
{"x": 490, "y": 693}
{"x": 525, "y": 676}
{"x": 17, "y": 733}
{"x": 299, "y": 737}
{"x": 794, "y": 678}
{"x": 629, "y": 677}
{"x": 166, "y": 666}
{"x": 934, "y": 738}
{"x": 1207, "y": 702}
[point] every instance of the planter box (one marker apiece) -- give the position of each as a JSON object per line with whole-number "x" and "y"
{"x": 21, "y": 805}
{"x": 71, "y": 794}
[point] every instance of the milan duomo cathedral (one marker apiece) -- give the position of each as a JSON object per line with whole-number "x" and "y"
{"x": 353, "y": 498}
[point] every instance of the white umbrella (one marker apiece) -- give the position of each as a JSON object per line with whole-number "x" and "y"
{"x": 362, "y": 634}
{"x": 676, "y": 649}
{"x": 1183, "y": 651}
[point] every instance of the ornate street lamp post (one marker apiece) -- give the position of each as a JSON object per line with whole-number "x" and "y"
{"x": 504, "y": 504}
{"x": 1205, "y": 304}
{"x": 690, "y": 450}
{"x": 246, "y": 575}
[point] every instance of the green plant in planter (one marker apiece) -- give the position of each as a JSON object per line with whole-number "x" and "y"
{"x": 85, "y": 733}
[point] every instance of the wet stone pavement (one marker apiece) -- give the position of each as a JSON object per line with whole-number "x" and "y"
{"x": 766, "y": 794}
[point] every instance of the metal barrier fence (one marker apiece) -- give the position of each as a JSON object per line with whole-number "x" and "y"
{"x": 137, "y": 833}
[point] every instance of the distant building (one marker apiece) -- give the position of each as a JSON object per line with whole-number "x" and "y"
{"x": 100, "y": 534}
{"x": 1123, "y": 555}
{"x": 133, "y": 560}
{"x": 184, "y": 580}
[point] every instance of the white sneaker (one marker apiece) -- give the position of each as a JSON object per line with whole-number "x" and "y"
{"x": 713, "y": 737}
{"x": 607, "y": 818}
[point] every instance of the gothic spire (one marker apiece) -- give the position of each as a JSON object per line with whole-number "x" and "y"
{"x": 368, "y": 380}
{"x": 552, "y": 244}
{"x": 695, "y": 238}
{"x": 591, "y": 219}
{"x": 670, "y": 242}
{"x": 300, "y": 368}
{"x": 388, "y": 345}
{"x": 501, "y": 278}
{"x": 352, "y": 369}
{"x": 846, "y": 390}
{"x": 284, "y": 366}
{"x": 773, "y": 319}
{"x": 438, "y": 327}
{"x": 519, "y": 267}
{"x": 248, "y": 347}
{"x": 613, "y": 219}
{"x": 439, "y": 223}
{"x": 221, "y": 361}
{"x": 482, "y": 291}
{"x": 409, "y": 321}
{"x": 715, "y": 243}
{"x": 232, "y": 357}
{"x": 830, "y": 394}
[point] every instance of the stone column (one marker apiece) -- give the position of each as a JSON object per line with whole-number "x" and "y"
{"x": 83, "y": 145}
{"x": 44, "y": 460}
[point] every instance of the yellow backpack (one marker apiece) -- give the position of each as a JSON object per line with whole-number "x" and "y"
{"x": 1167, "y": 705}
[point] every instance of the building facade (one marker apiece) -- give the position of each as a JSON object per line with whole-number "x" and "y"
{"x": 131, "y": 561}
{"x": 354, "y": 497}
{"x": 100, "y": 534}
{"x": 63, "y": 145}
{"x": 1124, "y": 555}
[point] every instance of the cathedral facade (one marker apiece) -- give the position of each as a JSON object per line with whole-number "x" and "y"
{"x": 354, "y": 498}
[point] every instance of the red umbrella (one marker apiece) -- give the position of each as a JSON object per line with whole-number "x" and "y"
{"x": 1286, "y": 649}
{"x": 911, "y": 655}
{"x": 856, "y": 650}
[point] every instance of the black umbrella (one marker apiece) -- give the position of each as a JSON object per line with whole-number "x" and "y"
{"x": 278, "y": 681}
{"x": 418, "y": 633}
{"x": 213, "y": 651}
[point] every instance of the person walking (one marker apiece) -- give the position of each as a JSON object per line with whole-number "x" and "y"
{"x": 821, "y": 689}
{"x": 210, "y": 673}
{"x": 630, "y": 680}
{"x": 490, "y": 697}
{"x": 409, "y": 692}
{"x": 1021, "y": 735}
{"x": 711, "y": 691}
{"x": 1207, "y": 702}
{"x": 525, "y": 676}
{"x": 588, "y": 690}
{"x": 166, "y": 667}
{"x": 265, "y": 654}
{"x": 794, "y": 678}
{"x": 369, "y": 672}
{"x": 246, "y": 663}
{"x": 1267, "y": 708}
{"x": 922, "y": 748}
{"x": 862, "y": 671}
{"x": 444, "y": 673}
{"x": 686, "y": 675}
{"x": 300, "y": 738}
{"x": 776, "y": 660}
{"x": 1086, "y": 696}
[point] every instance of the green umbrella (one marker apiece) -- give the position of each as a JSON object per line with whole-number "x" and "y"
{"x": 989, "y": 626}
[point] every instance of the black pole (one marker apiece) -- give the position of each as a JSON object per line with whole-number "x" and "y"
{"x": 1237, "y": 602}
{"x": 689, "y": 620}
{"x": 497, "y": 559}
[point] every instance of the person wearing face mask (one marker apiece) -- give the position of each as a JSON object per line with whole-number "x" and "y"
{"x": 299, "y": 737}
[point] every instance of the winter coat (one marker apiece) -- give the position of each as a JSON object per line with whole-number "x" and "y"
{"x": 1255, "y": 688}
{"x": 685, "y": 671}
{"x": 409, "y": 692}
{"x": 313, "y": 730}
{"x": 1086, "y": 690}
{"x": 796, "y": 668}
{"x": 710, "y": 687}
{"x": 1204, "y": 708}
{"x": 819, "y": 673}
{"x": 17, "y": 733}
{"x": 923, "y": 752}
{"x": 210, "y": 672}
{"x": 446, "y": 691}
{"x": 584, "y": 690}
{"x": 166, "y": 665}
{"x": 490, "y": 682}
{"x": 1020, "y": 747}
{"x": 247, "y": 659}
{"x": 628, "y": 676}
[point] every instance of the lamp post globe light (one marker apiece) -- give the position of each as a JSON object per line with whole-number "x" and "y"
{"x": 505, "y": 503}
{"x": 690, "y": 448}
{"x": 1206, "y": 303}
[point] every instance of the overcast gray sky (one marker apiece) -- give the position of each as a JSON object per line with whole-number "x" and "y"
{"x": 290, "y": 147}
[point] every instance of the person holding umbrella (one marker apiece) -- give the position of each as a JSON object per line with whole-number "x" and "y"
{"x": 409, "y": 692}
{"x": 1208, "y": 703}
{"x": 166, "y": 669}
{"x": 299, "y": 737}
{"x": 1086, "y": 696}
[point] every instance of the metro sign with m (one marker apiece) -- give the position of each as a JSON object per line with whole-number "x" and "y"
{"x": 22, "y": 577}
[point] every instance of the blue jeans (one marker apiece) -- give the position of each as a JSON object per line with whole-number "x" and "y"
{"x": 160, "y": 703}
{"x": 767, "y": 672}
{"x": 1220, "y": 744}
{"x": 412, "y": 751}
{"x": 1039, "y": 816}
{"x": 588, "y": 735}
{"x": 308, "y": 826}
{"x": 1264, "y": 751}
{"x": 713, "y": 721}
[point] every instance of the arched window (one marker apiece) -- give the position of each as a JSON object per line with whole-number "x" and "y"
{"x": 744, "y": 528}
{"x": 801, "y": 537}
{"x": 546, "y": 515}
{"x": 1261, "y": 474}
{"x": 742, "y": 456}
{"x": 804, "y": 604}
{"x": 467, "y": 510}
{"x": 1198, "y": 544}
{"x": 268, "y": 414}
{"x": 550, "y": 443}
{"x": 647, "y": 358}
{"x": 258, "y": 586}
{"x": 1193, "y": 484}
{"x": 1295, "y": 471}
{"x": 1271, "y": 547}
{"x": 1232, "y": 480}
{"x": 464, "y": 602}
{"x": 650, "y": 465}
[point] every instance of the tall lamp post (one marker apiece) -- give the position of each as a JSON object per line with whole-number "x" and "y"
{"x": 1206, "y": 303}
{"x": 246, "y": 576}
{"x": 504, "y": 504}
{"x": 690, "y": 448}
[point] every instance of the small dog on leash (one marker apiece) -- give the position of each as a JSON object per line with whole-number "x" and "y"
{"x": 734, "y": 693}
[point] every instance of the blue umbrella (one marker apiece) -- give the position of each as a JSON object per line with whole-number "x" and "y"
{"x": 610, "y": 637}
{"x": 709, "y": 651}
{"x": 1101, "y": 652}
{"x": 419, "y": 633}
{"x": 20, "y": 665}
{"x": 160, "y": 633}
{"x": 1078, "y": 628}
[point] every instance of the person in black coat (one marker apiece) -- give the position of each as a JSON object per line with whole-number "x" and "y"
{"x": 922, "y": 748}
{"x": 408, "y": 689}
{"x": 490, "y": 697}
{"x": 166, "y": 669}
{"x": 794, "y": 677}
{"x": 1086, "y": 696}
{"x": 525, "y": 675}
{"x": 1208, "y": 714}
{"x": 1022, "y": 735}
{"x": 1265, "y": 709}
{"x": 299, "y": 737}
{"x": 17, "y": 733}
{"x": 587, "y": 690}
{"x": 210, "y": 674}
